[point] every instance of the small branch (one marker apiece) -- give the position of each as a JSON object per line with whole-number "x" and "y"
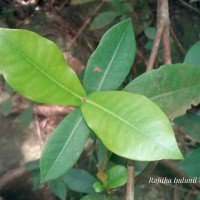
{"x": 146, "y": 172}
{"x": 165, "y": 38}
{"x": 166, "y": 47}
{"x": 156, "y": 43}
{"x": 190, "y": 6}
{"x": 8, "y": 177}
{"x": 140, "y": 55}
{"x": 160, "y": 29}
{"x": 130, "y": 181}
{"x": 88, "y": 20}
{"x": 170, "y": 165}
{"x": 176, "y": 42}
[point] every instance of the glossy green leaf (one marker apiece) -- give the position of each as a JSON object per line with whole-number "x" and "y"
{"x": 36, "y": 68}
{"x": 130, "y": 125}
{"x": 103, "y": 19}
{"x": 174, "y": 95}
{"x": 64, "y": 146}
{"x": 191, "y": 124}
{"x": 94, "y": 197}
{"x": 98, "y": 186}
{"x": 117, "y": 176}
{"x": 111, "y": 62}
{"x": 79, "y": 181}
{"x": 193, "y": 55}
{"x": 58, "y": 188}
{"x": 191, "y": 164}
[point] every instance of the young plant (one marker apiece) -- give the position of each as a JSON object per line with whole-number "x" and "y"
{"x": 130, "y": 123}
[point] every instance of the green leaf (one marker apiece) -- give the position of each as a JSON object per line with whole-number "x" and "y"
{"x": 125, "y": 8}
{"x": 26, "y": 117}
{"x": 172, "y": 87}
{"x": 33, "y": 165}
{"x": 6, "y": 107}
{"x": 150, "y": 32}
{"x": 103, "y": 19}
{"x": 130, "y": 125}
{"x": 35, "y": 175}
{"x": 77, "y": 2}
{"x": 111, "y": 62}
{"x": 191, "y": 164}
{"x": 117, "y": 176}
{"x": 94, "y": 197}
{"x": 98, "y": 186}
{"x": 149, "y": 44}
{"x": 191, "y": 124}
{"x": 58, "y": 188}
{"x": 140, "y": 166}
{"x": 64, "y": 146}
{"x": 197, "y": 197}
{"x": 36, "y": 68}
{"x": 79, "y": 181}
{"x": 193, "y": 55}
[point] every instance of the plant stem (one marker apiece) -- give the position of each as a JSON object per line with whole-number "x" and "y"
{"x": 162, "y": 30}
{"x": 130, "y": 181}
{"x": 165, "y": 37}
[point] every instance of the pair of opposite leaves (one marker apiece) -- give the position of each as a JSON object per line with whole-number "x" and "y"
{"x": 129, "y": 124}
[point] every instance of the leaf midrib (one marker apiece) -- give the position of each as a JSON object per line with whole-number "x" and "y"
{"x": 64, "y": 147}
{"x": 22, "y": 54}
{"x": 173, "y": 92}
{"x": 110, "y": 63}
{"x": 123, "y": 120}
